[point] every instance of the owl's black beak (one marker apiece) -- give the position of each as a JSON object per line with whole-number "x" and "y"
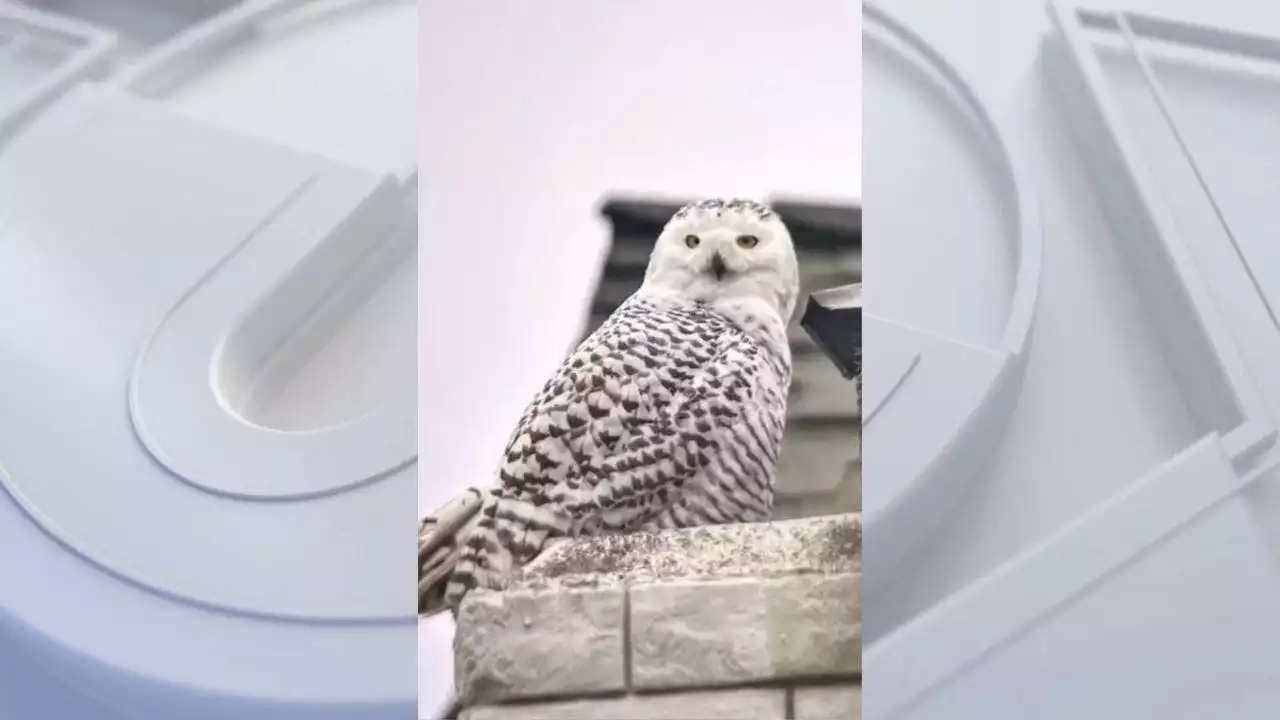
{"x": 717, "y": 267}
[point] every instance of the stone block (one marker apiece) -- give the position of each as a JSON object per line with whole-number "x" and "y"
{"x": 813, "y": 460}
{"x": 714, "y": 632}
{"x": 679, "y": 638}
{"x": 828, "y": 702}
{"x": 540, "y": 641}
{"x": 731, "y": 704}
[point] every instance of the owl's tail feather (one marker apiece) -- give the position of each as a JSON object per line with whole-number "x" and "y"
{"x": 441, "y": 539}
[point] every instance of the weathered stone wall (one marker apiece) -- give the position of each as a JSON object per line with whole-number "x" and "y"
{"x": 737, "y": 621}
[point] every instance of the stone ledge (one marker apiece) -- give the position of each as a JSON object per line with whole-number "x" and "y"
{"x": 726, "y": 605}
{"x": 826, "y": 544}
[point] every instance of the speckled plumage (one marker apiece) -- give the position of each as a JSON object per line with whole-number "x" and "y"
{"x": 669, "y": 415}
{"x": 719, "y": 206}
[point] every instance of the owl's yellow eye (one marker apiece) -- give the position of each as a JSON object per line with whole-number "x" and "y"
{"x": 692, "y": 241}
{"x": 748, "y": 241}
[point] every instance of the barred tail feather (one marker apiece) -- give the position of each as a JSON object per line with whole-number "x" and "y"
{"x": 441, "y": 540}
{"x": 480, "y": 540}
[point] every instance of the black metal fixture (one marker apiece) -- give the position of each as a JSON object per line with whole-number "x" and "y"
{"x": 833, "y": 318}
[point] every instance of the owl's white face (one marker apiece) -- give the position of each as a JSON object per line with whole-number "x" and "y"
{"x": 727, "y": 250}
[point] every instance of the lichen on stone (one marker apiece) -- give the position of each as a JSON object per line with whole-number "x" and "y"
{"x": 826, "y": 544}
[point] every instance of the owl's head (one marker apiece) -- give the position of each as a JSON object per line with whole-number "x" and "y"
{"x": 726, "y": 250}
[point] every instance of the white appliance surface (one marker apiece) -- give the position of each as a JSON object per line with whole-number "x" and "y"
{"x": 1116, "y": 554}
{"x": 208, "y": 300}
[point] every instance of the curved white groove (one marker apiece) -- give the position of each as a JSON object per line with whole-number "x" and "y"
{"x": 280, "y": 282}
{"x": 959, "y": 396}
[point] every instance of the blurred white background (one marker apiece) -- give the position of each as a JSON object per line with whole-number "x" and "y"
{"x": 529, "y": 114}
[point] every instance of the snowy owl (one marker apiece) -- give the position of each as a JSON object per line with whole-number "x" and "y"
{"x": 669, "y": 415}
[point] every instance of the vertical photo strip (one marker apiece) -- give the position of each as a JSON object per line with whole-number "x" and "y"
{"x": 640, "y": 433}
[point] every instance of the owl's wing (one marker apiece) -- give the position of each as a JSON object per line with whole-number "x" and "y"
{"x": 643, "y": 406}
